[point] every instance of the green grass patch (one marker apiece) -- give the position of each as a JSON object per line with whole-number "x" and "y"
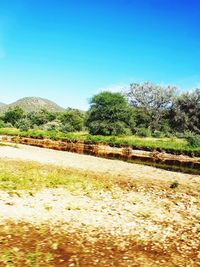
{"x": 16, "y": 175}
{"x": 171, "y": 145}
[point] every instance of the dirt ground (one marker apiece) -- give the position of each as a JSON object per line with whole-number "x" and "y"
{"x": 90, "y": 163}
{"x": 149, "y": 224}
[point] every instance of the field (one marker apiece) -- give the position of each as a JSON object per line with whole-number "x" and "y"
{"x": 171, "y": 145}
{"x": 77, "y": 210}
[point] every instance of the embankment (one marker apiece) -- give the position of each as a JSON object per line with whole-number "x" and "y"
{"x": 154, "y": 158}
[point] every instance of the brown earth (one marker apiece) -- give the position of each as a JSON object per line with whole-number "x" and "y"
{"x": 90, "y": 163}
{"x": 165, "y": 160}
{"x": 140, "y": 222}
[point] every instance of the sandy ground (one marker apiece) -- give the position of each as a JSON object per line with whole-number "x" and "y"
{"x": 150, "y": 215}
{"x": 90, "y": 163}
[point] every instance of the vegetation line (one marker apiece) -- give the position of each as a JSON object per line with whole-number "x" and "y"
{"x": 169, "y": 145}
{"x": 160, "y": 160}
{"x": 146, "y": 116}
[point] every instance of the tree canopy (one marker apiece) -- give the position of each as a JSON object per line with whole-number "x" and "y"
{"x": 144, "y": 109}
{"x": 109, "y": 114}
{"x": 14, "y": 115}
{"x": 185, "y": 113}
{"x": 151, "y": 99}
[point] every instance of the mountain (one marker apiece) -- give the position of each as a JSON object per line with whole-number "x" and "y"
{"x": 2, "y": 104}
{"x": 29, "y": 104}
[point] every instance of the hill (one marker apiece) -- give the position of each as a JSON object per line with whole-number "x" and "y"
{"x": 29, "y": 104}
{"x": 2, "y": 104}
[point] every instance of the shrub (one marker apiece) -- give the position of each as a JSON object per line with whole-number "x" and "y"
{"x": 180, "y": 135}
{"x": 2, "y": 124}
{"x": 23, "y": 124}
{"x": 143, "y": 132}
{"x": 174, "y": 185}
{"x": 106, "y": 129}
{"x": 169, "y": 135}
{"x": 157, "y": 134}
{"x": 41, "y": 117}
{"x": 67, "y": 128}
{"x": 192, "y": 139}
{"x": 14, "y": 115}
{"x": 72, "y": 121}
{"x": 52, "y": 126}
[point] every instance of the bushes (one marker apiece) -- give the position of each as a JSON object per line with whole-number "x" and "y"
{"x": 13, "y": 116}
{"x": 108, "y": 129}
{"x": 2, "y": 124}
{"x": 192, "y": 139}
{"x": 143, "y": 132}
{"x": 23, "y": 124}
{"x": 171, "y": 145}
{"x": 157, "y": 134}
{"x": 69, "y": 121}
{"x": 145, "y": 106}
{"x": 52, "y": 126}
{"x": 67, "y": 128}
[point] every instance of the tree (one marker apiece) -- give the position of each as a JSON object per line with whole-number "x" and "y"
{"x": 41, "y": 117}
{"x": 2, "y": 124}
{"x": 142, "y": 118}
{"x": 24, "y": 124}
{"x": 109, "y": 114}
{"x": 153, "y": 99}
{"x": 14, "y": 115}
{"x": 185, "y": 113}
{"x": 72, "y": 121}
{"x": 55, "y": 125}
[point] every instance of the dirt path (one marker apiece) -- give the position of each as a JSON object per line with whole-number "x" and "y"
{"x": 90, "y": 163}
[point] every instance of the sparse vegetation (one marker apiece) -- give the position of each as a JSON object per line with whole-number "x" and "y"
{"x": 109, "y": 174}
{"x": 32, "y": 104}
{"x": 115, "y": 220}
{"x": 121, "y": 221}
{"x": 174, "y": 185}
{"x": 31, "y": 176}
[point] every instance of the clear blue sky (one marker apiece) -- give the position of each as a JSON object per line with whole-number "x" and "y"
{"x": 67, "y": 50}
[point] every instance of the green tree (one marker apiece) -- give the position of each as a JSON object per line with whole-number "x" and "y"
{"x": 142, "y": 118}
{"x": 55, "y": 125}
{"x": 14, "y": 115}
{"x": 71, "y": 120}
{"x": 2, "y": 124}
{"x": 24, "y": 124}
{"x": 110, "y": 114}
{"x": 185, "y": 113}
{"x": 41, "y": 117}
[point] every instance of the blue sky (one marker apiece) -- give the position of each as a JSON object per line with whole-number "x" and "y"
{"x": 68, "y": 51}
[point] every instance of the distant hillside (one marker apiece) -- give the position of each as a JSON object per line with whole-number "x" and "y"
{"x": 2, "y": 104}
{"x": 29, "y": 104}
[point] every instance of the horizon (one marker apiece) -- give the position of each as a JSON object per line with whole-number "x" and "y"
{"x": 68, "y": 52}
{"x": 65, "y": 107}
